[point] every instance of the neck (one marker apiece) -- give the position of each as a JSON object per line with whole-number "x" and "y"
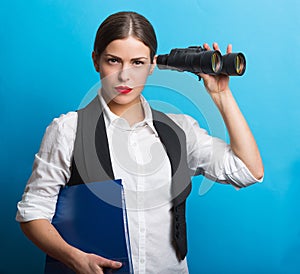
{"x": 132, "y": 112}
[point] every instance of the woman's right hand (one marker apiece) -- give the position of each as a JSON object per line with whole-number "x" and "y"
{"x": 93, "y": 264}
{"x": 46, "y": 237}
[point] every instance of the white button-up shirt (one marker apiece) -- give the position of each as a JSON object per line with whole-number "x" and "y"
{"x": 140, "y": 160}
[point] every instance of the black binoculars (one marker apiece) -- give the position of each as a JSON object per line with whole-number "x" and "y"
{"x": 198, "y": 60}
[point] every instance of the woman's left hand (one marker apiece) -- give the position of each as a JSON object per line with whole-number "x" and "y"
{"x": 215, "y": 83}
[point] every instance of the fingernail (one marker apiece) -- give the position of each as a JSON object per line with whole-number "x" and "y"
{"x": 118, "y": 264}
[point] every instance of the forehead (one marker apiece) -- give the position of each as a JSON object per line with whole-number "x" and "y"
{"x": 129, "y": 47}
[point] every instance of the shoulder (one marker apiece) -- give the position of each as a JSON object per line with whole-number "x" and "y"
{"x": 58, "y": 140}
{"x": 61, "y": 130}
{"x": 190, "y": 126}
{"x": 64, "y": 122}
{"x": 183, "y": 120}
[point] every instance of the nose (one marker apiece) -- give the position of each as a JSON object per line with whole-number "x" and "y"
{"x": 124, "y": 74}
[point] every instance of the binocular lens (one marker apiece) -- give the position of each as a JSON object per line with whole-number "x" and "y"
{"x": 239, "y": 64}
{"x": 216, "y": 62}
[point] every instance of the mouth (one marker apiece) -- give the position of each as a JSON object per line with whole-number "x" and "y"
{"x": 123, "y": 89}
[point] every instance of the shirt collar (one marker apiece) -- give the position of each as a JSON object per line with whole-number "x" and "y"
{"x": 113, "y": 119}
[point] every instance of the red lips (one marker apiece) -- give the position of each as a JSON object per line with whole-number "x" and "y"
{"x": 123, "y": 89}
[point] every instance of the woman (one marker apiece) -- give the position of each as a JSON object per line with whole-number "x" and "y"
{"x": 124, "y": 56}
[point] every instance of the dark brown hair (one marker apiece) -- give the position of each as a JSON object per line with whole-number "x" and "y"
{"x": 121, "y": 25}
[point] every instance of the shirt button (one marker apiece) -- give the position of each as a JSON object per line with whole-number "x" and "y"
{"x": 142, "y": 261}
{"x": 142, "y": 230}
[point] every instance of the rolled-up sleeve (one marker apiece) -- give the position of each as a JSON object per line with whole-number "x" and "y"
{"x": 211, "y": 156}
{"x": 51, "y": 170}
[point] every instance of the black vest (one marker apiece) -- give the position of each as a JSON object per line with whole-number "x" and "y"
{"x": 92, "y": 163}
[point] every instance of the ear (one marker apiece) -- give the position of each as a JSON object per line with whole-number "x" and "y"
{"x": 95, "y": 61}
{"x": 153, "y": 65}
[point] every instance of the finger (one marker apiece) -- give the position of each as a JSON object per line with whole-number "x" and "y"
{"x": 110, "y": 264}
{"x": 229, "y": 48}
{"x": 206, "y": 46}
{"x": 204, "y": 76}
{"x": 216, "y": 46}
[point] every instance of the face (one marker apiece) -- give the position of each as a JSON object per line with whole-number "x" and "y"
{"x": 124, "y": 67}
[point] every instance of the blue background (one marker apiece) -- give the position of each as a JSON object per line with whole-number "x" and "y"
{"x": 46, "y": 69}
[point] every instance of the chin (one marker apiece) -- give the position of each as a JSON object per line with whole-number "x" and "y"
{"x": 126, "y": 99}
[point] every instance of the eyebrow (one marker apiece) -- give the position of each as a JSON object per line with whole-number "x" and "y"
{"x": 119, "y": 58}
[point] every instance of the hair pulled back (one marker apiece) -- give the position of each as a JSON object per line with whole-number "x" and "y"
{"x": 120, "y": 25}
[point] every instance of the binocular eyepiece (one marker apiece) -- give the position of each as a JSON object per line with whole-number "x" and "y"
{"x": 198, "y": 60}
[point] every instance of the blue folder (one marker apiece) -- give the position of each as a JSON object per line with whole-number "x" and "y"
{"x": 93, "y": 218}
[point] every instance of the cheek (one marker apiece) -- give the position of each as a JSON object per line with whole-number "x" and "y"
{"x": 140, "y": 76}
{"x": 108, "y": 76}
{"x": 106, "y": 72}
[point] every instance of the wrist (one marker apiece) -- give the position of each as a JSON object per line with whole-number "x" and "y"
{"x": 74, "y": 258}
{"x": 222, "y": 99}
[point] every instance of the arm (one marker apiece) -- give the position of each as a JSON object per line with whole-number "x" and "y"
{"x": 51, "y": 171}
{"x": 43, "y": 234}
{"x": 242, "y": 141}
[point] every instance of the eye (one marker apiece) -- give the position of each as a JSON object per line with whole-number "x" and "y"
{"x": 138, "y": 63}
{"x": 112, "y": 61}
